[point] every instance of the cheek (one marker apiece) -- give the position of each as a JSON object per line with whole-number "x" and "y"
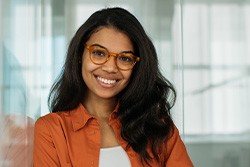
{"x": 87, "y": 65}
{"x": 86, "y": 70}
{"x": 127, "y": 75}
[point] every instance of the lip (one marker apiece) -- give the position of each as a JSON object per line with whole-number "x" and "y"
{"x": 106, "y": 82}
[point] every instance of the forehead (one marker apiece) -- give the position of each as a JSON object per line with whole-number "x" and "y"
{"x": 112, "y": 39}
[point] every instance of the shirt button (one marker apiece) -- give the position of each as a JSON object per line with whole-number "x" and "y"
{"x": 92, "y": 163}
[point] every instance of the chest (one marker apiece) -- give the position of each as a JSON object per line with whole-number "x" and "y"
{"x": 82, "y": 147}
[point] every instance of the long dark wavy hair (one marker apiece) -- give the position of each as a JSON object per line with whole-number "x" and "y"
{"x": 145, "y": 103}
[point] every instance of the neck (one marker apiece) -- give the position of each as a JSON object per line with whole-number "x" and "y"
{"x": 100, "y": 108}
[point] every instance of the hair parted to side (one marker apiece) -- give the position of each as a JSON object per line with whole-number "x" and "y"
{"x": 145, "y": 103}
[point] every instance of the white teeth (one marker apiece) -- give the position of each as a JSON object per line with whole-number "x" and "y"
{"x": 106, "y": 81}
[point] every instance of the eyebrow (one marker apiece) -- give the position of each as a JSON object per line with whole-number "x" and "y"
{"x": 96, "y": 44}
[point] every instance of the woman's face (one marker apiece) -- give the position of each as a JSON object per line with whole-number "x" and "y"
{"x": 106, "y": 80}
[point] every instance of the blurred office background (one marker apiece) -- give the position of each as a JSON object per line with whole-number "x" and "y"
{"x": 203, "y": 48}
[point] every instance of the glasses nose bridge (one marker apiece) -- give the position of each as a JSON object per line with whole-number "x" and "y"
{"x": 113, "y": 54}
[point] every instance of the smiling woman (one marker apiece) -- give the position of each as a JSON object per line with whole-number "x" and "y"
{"x": 110, "y": 101}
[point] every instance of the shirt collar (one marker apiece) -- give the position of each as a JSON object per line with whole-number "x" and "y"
{"x": 80, "y": 116}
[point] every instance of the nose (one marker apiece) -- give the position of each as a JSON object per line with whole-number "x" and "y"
{"x": 110, "y": 66}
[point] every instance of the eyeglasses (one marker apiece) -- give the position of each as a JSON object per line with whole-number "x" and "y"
{"x": 100, "y": 55}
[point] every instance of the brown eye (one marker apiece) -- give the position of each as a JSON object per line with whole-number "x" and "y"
{"x": 99, "y": 53}
{"x": 126, "y": 58}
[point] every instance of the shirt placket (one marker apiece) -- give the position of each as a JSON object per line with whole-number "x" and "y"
{"x": 94, "y": 141}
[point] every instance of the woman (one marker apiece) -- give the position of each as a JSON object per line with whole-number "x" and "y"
{"x": 110, "y": 105}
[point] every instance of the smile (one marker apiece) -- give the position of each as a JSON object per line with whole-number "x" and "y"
{"x": 106, "y": 81}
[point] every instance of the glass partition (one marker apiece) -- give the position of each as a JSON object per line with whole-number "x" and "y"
{"x": 20, "y": 79}
{"x": 216, "y": 65}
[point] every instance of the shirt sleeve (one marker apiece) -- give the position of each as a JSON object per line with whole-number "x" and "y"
{"x": 45, "y": 154}
{"x": 177, "y": 153}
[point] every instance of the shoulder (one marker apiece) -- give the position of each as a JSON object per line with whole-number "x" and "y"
{"x": 174, "y": 140}
{"x": 176, "y": 150}
{"x": 51, "y": 118}
{"x": 50, "y": 142}
{"x": 52, "y": 122}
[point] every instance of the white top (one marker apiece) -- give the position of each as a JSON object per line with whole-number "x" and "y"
{"x": 113, "y": 157}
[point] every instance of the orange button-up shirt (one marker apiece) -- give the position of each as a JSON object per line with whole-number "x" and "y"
{"x": 72, "y": 139}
